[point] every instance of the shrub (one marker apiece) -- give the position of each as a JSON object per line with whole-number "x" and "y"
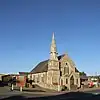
{"x": 64, "y": 88}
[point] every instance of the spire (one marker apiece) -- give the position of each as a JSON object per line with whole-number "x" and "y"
{"x": 53, "y": 49}
{"x": 53, "y": 36}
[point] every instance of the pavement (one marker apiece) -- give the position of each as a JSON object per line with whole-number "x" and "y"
{"x": 7, "y": 94}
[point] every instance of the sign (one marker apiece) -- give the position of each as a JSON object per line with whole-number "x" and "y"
{"x": 21, "y": 80}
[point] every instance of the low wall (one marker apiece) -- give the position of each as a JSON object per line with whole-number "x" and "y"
{"x": 49, "y": 86}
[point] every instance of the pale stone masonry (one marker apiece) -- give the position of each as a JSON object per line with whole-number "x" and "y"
{"x": 56, "y": 72}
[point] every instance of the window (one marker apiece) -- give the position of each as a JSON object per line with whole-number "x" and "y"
{"x": 66, "y": 70}
{"x": 42, "y": 79}
{"x": 59, "y": 65}
{"x": 60, "y": 73}
{"x": 76, "y": 81}
{"x": 66, "y": 81}
{"x": 61, "y": 82}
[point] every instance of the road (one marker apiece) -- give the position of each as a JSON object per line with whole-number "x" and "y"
{"x": 5, "y": 93}
{"x": 94, "y": 91}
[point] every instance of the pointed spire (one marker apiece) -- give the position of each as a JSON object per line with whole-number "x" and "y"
{"x": 53, "y": 36}
{"x": 53, "y": 40}
{"x": 53, "y": 49}
{"x": 53, "y": 44}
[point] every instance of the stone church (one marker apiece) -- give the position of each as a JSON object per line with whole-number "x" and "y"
{"x": 56, "y": 72}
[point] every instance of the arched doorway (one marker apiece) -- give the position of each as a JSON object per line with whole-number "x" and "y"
{"x": 72, "y": 85}
{"x": 72, "y": 80}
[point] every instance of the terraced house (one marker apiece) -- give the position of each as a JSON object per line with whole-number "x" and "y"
{"x": 56, "y": 72}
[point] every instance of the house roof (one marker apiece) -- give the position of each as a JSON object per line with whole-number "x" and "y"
{"x": 23, "y": 73}
{"x": 83, "y": 77}
{"x": 43, "y": 66}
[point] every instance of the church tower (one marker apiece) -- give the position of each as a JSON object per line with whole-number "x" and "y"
{"x": 53, "y": 73}
{"x": 53, "y": 63}
{"x": 53, "y": 49}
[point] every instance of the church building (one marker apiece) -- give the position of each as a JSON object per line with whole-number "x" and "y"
{"x": 56, "y": 72}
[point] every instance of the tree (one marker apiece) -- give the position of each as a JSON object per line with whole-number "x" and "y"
{"x": 82, "y": 73}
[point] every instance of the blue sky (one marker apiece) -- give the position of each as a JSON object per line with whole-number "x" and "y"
{"x": 26, "y": 28}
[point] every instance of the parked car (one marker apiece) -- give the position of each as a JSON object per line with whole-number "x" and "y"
{"x": 93, "y": 83}
{"x": 90, "y": 84}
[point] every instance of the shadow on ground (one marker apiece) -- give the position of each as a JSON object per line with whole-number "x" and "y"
{"x": 2, "y": 84}
{"x": 66, "y": 96}
{"x": 29, "y": 90}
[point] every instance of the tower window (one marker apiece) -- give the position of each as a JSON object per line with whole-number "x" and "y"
{"x": 66, "y": 81}
{"x": 59, "y": 65}
{"x": 60, "y": 73}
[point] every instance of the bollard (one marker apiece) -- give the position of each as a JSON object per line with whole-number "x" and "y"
{"x": 21, "y": 89}
{"x": 59, "y": 89}
{"x": 12, "y": 87}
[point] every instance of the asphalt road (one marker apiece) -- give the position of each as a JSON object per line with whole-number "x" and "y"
{"x": 6, "y": 94}
{"x": 94, "y": 91}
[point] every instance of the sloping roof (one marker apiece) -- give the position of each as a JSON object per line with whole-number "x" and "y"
{"x": 83, "y": 77}
{"x": 43, "y": 66}
{"x": 76, "y": 70}
{"x": 59, "y": 57}
{"x": 23, "y": 73}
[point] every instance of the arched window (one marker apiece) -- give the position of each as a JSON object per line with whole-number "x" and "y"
{"x": 59, "y": 65}
{"x": 66, "y": 81}
{"x": 61, "y": 82}
{"x": 66, "y": 69}
{"x": 60, "y": 73}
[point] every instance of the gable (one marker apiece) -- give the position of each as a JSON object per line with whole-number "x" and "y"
{"x": 66, "y": 58}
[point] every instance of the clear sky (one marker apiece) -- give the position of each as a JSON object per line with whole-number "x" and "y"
{"x": 26, "y": 28}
